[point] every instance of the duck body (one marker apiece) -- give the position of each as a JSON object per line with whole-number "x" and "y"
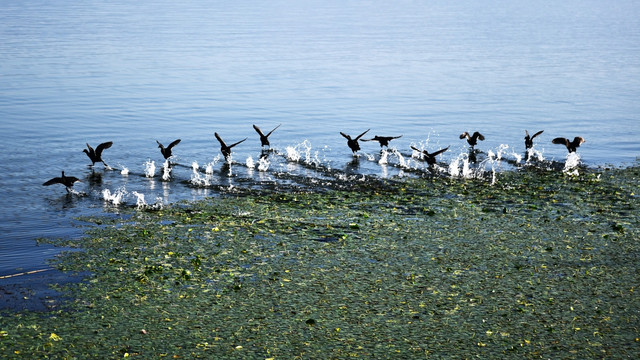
{"x": 353, "y": 143}
{"x": 430, "y": 158}
{"x": 166, "y": 151}
{"x": 264, "y": 139}
{"x": 67, "y": 181}
{"x": 572, "y": 146}
{"x": 96, "y": 155}
{"x": 224, "y": 148}
{"x": 383, "y": 140}
{"x": 472, "y": 139}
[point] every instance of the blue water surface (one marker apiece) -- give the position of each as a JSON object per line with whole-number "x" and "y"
{"x": 135, "y": 72}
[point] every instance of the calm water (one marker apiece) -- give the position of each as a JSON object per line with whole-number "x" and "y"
{"x": 133, "y": 72}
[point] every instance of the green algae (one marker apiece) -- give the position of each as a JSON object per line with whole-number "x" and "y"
{"x": 540, "y": 264}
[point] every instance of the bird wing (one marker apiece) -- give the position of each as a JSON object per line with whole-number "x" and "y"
{"x": 55, "y": 180}
{"x": 160, "y": 145}
{"x": 345, "y": 135}
{"x": 439, "y": 151}
{"x": 258, "y": 130}
{"x": 234, "y": 144}
{"x": 477, "y": 135}
{"x": 577, "y": 141}
{"x": 416, "y": 149}
{"x": 395, "y": 137}
{"x": 359, "y": 136}
{"x": 270, "y": 132}
{"x": 561, "y": 140}
{"x": 90, "y": 148}
{"x": 536, "y": 134}
{"x": 463, "y": 135}
{"x": 176, "y": 142}
{"x": 101, "y": 147}
{"x": 220, "y": 140}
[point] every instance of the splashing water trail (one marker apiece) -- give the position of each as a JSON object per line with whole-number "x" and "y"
{"x": 196, "y": 178}
{"x": 209, "y": 168}
{"x": 250, "y": 163}
{"x": 140, "y": 203}
{"x": 456, "y": 170}
{"x": 116, "y": 198}
{"x": 384, "y": 158}
{"x": 124, "y": 171}
{"x": 571, "y": 164}
{"x": 166, "y": 171}
{"x": 150, "y": 169}
{"x": 292, "y": 153}
{"x": 263, "y": 164}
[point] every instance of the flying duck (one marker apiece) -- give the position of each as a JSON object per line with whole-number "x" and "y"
{"x": 67, "y": 181}
{"x": 430, "y": 158}
{"x": 383, "y": 140}
{"x": 226, "y": 150}
{"x": 96, "y": 155}
{"x": 571, "y": 145}
{"x": 166, "y": 151}
{"x": 264, "y": 139}
{"x": 353, "y": 143}
{"x": 528, "y": 140}
{"x": 472, "y": 139}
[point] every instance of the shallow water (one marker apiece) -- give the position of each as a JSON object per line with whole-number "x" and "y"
{"x": 134, "y": 73}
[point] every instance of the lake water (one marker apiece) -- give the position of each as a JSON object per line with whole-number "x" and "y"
{"x": 136, "y": 72}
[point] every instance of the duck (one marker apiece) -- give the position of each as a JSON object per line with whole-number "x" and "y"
{"x": 264, "y": 139}
{"x": 96, "y": 155}
{"x": 472, "y": 139}
{"x": 528, "y": 140}
{"x": 224, "y": 148}
{"x": 166, "y": 151}
{"x": 430, "y": 158}
{"x": 571, "y": 145}
{"x": 383, "y": 140}
{"x": 67, "y": 181}
{"x": 353, "y": 143}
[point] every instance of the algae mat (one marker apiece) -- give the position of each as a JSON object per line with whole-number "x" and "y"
{"x": 538, "y": 265}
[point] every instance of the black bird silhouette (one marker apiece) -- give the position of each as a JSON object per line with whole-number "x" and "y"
{"x": 166, "y": 151}
{"x": 571, "y": 145}
{"x": 67, "y": 181}
{"x": 528, "y": 140}
{"x": 226, "y": 150}
{"x": 353, "y": 143}
{"x": 472, "y": 139}
{"x": 383, "y": 140}
{"x": 430, "y": 158}
{"x": 264, "y": 139}
{"x": 96, "y": 155}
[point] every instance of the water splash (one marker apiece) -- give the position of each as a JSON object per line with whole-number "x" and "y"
{"x": 140, "y": 203}
{"x": 384, "y": 157}
{"x": 166, "y": 171}
{"x": 292, "y": 153}
{"x": 263, "y": 164}
{"x": 571, "y": 164}
{"x": 150, "y": 169}
{"x": 196, "y": 178}
{"x": 459, "y": 167}
{"x": 209, "y": 168}
{"x": 124, "y": 171}
{"x": 250, "y": 163}
{"x": 116, "y": 198}
{"x": 533, "y": 155}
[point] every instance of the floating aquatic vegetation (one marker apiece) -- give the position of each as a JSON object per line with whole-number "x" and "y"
{"x": 539, "y": 265}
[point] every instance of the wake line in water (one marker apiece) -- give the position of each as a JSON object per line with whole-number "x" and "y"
{"x": 303, "y": 167}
